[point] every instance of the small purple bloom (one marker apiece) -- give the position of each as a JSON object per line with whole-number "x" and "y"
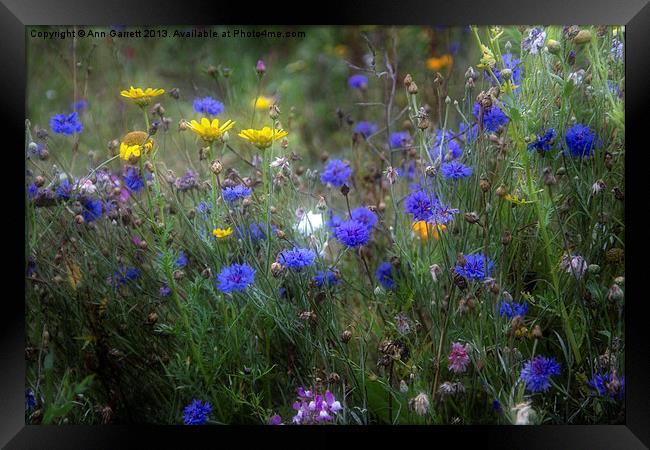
{"x": 336, "y": 173}
{"x": 208, "y": 106}
{"x": 455, "y": 170}
{"x": 537, "y": 372}
{"x": 197, "y": 412}
{"x": 66, "y": 124}
{"x": 358, "y": 81}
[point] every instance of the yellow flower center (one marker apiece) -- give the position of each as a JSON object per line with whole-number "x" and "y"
{"x": 133, "y": 145}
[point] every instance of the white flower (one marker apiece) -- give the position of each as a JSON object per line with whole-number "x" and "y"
{"x": 309, "y": 223}
{"x": 524, "y": 413}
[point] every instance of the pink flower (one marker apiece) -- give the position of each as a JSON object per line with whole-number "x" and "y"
{"x": 458, "y": 358}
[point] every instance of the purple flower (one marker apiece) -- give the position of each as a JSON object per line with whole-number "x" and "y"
{"x": 254, "y": 231}
{"x": 92, "y": 209}
{"x": 297, "y": 258}
{"x": 66, "y": 124}
{"x": 187, "y": 182}
{"x": 336, "y": 173}
{"x": 575, "y": 265}
{"x": 358, "y": 81}
{"x": 80, "y": 105}
{"x": 420, "y": 205}
{"x": 30, "y": 400}
{"x": 164, "y": 291}
{"x": 64, "y": 190}
{"x": 197, "y": 412}
{"x": 236, "y": 277}
{"x": 232, "y": 194}
{"x": 133, "y": 180}
{"x": 208, "y": 106}
{"x": 275, "y": 419}
{"x": 314, "y": 408}
{"x": 509, "y": 62}
{"x": 537, "y": 372}
{"x": 608, "y": 385}
{"x": 352, "y": 233}
{"x": 534, "y": 42}
{"x": 458, "y": 358}
{"x": 455, "y": 170}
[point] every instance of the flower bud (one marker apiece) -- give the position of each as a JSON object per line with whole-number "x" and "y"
{"x": 408, "y": 79}
{"x": 506, "y": 238}
{"x": 322, "y": 204}
{"x": 346, "y": 336}
{"x": 615, "y": 294}
{"x": 502, "y": 191}
{"x": 276, "y": 269}
{"x": 553, "y": 46}
{"x": 274, "y": 111}
{"x": 484, "y": 184}
{"x": 260, "y": 67}
{"x": 506, "y": 74}
{"x": 583, "y": 37}
{"x": 435, "y": 271}
{"x": 175, "y": 93}
{"x": 216, "y": 167}
{"x": 412, "y": 88}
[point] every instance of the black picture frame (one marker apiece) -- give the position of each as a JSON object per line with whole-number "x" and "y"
{"x": 15, "y": 15}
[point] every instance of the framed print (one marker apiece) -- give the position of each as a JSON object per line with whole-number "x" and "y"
{"x": 399, "y": 220}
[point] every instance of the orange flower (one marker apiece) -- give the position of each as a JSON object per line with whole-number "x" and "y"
{"x": 438, "y": 63}
{"x": 423, "y": 228}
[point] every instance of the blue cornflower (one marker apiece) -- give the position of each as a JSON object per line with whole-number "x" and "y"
{"x": 254, "y": 231}
{"x": 80, "y": 105}
{"x": 511, "y": 309}
{"x": 443, "y": 214}
{"x": 328, "y": 278}
{"x": 496, "y": 406}
{"x": 92, "y": 209}
{"x": 580, "y": 140}
{"x": 450, "y": 145}
{"x": 297, "y": 258}
{"x": 182, "y": 260}
{"x": 386, "y": 274}
{"x": 204, "y": 208}
{"x": 399, "y": 139}
{"x": 334, "y": 220}
{"x": 164, "y": 291}
{"x": 617, "y": 51}
{"x": 602, "y": 385}
{"x": 420, "y": 205}
{"x": 133, "y": 180}
{"x": 66, "y": 124}
{"x": 208, "y": 106}
{"x": 366, "y": 128}
{"x": 468, "y": 134}
{"x": 455, "y": 170}
{"x": 358, "y": 81}
{"x": 236, "y": 277}
{"x": 336, "y": 173}
{"x": 31, "y": 266}
{"x": 537, "y": 372}
{"x": 30, "y": 400}
{"x": 408, "y": 171}
{"x": 509, "y": 62}
{"x": 197, "y": 412}
{"x": 543, "y": 143}
{"x": 474, "y": 267}
{"x": 232, "y": 194}
{"x": 365, "y": 216}
{"x": 614, "y": 88}
{"x": 125, "y": 274}
{"x": 493, "y": 117}
{"x": 352, "y": 233}
{"x": 64, "y": 190}
{"x": 32, "y": 191}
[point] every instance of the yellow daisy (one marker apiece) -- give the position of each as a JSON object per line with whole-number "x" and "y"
{"x": 134, "y": 144}
{"x": 263, "y": 103}
{"x": 221, "y": 233}
{"x": 210, "y": 131}
{"x": 423, "y": 228}
{"x": 141, "y": 97}
{"x": 262, "y": 138}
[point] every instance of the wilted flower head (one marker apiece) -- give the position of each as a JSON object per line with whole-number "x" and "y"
{"x": 420, "y": 404}
{"x": 575, "y": 265}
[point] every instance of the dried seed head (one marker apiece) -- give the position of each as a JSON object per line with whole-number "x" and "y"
{"x": 216, "y": 167}
{"x": 502, "y": 191}
{"x": 346, "y": 336}
{"x": 408, "y": 79}
{"x": 506, "y": 237}
{"x": 484, "y": 184}
{"x": 276, "y": 269}
{"x": 412, "y": 88}
{"x": 471, "y": 217}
